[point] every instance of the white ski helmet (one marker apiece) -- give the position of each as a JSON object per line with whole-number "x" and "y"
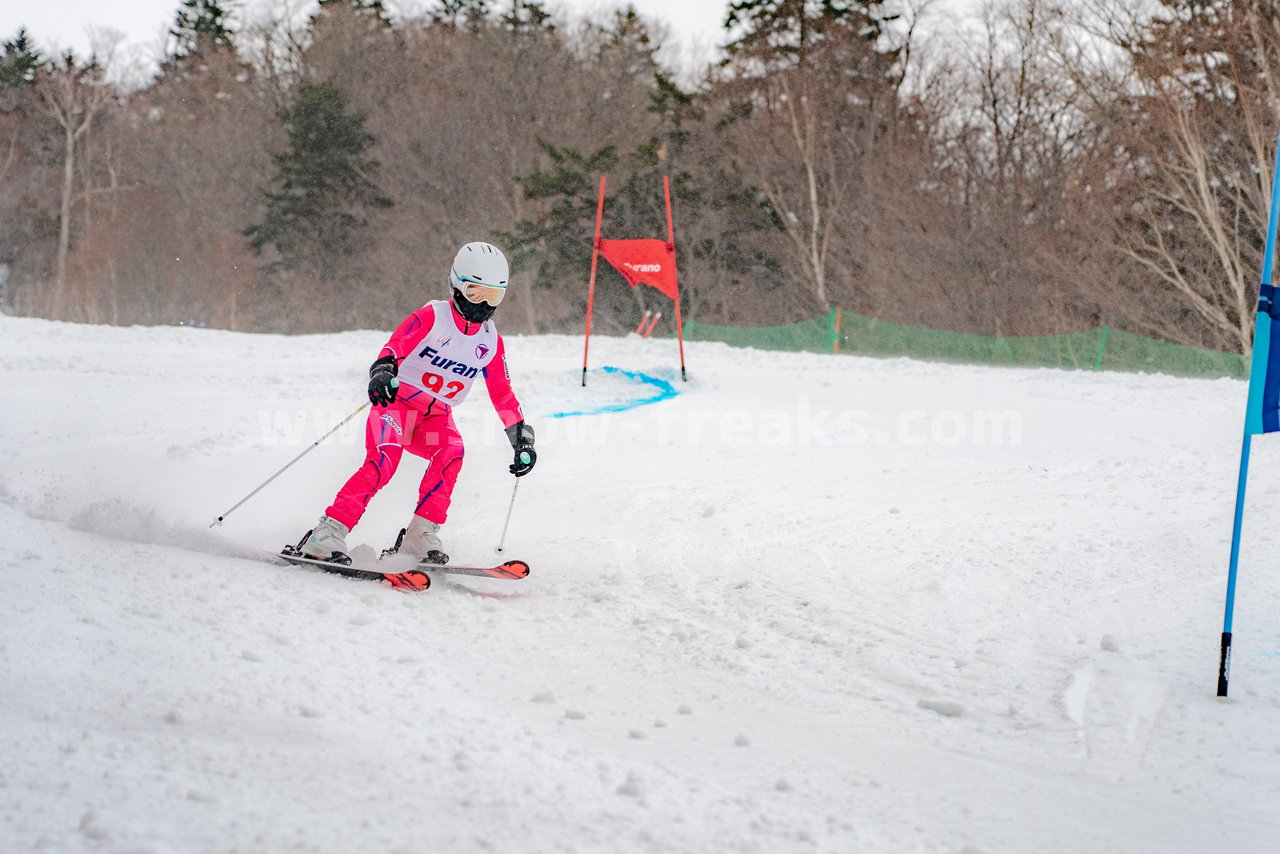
{"x": 479, "y": 280}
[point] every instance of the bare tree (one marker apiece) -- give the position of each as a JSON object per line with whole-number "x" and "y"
{"x": 73, "y": 94}
{"x": 1191, "y": 112}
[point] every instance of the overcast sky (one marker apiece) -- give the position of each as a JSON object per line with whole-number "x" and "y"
{"x": 55, "y": 25}
{"x": 69, "y": 23}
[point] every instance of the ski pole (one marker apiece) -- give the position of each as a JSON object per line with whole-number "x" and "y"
{"x": 510, "y": 507}
{"x": 306, "y": 451}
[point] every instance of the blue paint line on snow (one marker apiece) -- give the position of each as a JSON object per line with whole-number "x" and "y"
{"x": 666, "y": 391}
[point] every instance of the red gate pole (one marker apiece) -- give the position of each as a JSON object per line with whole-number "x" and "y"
{"x": 591, "y": 290}
{"x": 671, "y": 241}
{"x": 653, "y": 324}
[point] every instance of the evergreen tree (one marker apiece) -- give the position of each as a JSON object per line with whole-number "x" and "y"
{"x": 723, "y": 228}
{"x": 325, "y": 189}
{"x": 19, "y": 61}
{"x": 527, "y": 16}
{"x": 200, "y": 27}
{"x": 779, "y": 33}
{"x": 813, "y": 90}
{"x": 456, "y": 13}
{"x": 628, "y": 47}
{"x": 373, "y": 5}
{"x": 725, "y": 222}
{"x": 553, "y": 246}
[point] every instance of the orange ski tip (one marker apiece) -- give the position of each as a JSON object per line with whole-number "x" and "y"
{"x": 408, "y": 581}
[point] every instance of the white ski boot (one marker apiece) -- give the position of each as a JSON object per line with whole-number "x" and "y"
{"x": 422, "y": 540}
{"x": 327, "y": 541}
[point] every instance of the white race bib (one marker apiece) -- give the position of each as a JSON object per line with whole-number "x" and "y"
{"x": 446, "y": 362}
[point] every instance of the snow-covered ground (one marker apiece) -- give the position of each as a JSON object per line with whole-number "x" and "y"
{"x": 810, "y": 603}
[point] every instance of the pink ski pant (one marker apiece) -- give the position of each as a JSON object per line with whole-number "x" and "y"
{"x": 389, "y": 432}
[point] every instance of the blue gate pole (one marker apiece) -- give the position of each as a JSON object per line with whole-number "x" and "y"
{"x": 1224, "y": 658}
{"x": 1253, "y": 416}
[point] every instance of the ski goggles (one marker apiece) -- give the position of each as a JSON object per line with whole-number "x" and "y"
{"x": 478, "y": 292}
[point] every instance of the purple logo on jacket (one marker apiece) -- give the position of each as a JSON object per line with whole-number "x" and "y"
{"x": 481, "y": 351}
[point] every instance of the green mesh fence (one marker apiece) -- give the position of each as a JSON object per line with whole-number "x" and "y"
{"x": 1098, "y": 349}
{"x": 1128, "y": 352}
{"x": 814, "y": 336}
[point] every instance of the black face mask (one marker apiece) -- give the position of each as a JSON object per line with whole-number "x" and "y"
{"x": 472, "y": 312}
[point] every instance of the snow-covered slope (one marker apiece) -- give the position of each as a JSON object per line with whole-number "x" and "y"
{"x": 811, "y": 603}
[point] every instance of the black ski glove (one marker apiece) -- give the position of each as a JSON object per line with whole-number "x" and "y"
{"x": 521, "y": 436}
{"x": 383, "y": 384}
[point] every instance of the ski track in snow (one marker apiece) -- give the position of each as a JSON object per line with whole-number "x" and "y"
{"x": 811, "y": 603}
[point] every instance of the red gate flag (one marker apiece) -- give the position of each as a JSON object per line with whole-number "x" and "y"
{"x": 644, "y": 261}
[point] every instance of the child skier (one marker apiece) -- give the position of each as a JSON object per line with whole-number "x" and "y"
{"x": 426, "y": 368}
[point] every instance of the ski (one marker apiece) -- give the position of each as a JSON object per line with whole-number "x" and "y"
{"x": 513, "y": 570}
{"x": 410, "y": 581}
{"x": 416, "y": 577}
